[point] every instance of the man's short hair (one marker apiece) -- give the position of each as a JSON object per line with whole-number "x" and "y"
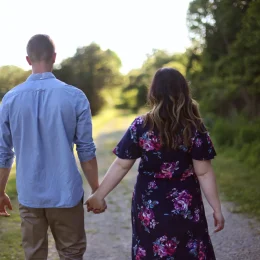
{"x": 40, "y": 48}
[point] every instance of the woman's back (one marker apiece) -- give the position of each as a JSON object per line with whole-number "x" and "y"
{"x": 167, "y": 208}
{"x": 168, "y": 216}
{"x": 158, "y": 161}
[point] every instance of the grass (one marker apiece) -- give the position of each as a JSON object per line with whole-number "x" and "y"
{"x": 10, "y": 234}
{"x": 238, "y": 183}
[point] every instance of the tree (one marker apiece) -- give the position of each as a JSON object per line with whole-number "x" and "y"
{"x": 10, "y": 76}
{"x": 91, "y": 69}
{"x": 216, "y": 66}
{"x": 134, "y": 93}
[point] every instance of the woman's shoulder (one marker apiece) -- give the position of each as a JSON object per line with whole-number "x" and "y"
{"x": 139, "y": 125}
{"x": 139, "y": 120}
{"x": 198, "y": 128}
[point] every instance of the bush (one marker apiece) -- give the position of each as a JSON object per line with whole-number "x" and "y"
{"x": 224, "y": 132}
{"x": 242, "y": 137}
{"x": 248, "y": 134}
{"x": 253, "y": 155}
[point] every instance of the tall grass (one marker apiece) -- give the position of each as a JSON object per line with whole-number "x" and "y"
{"x": 237, "y": 164}
{"x": 10, "y": 234}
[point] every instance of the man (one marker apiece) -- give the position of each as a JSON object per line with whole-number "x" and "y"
{"x": 41, "y": 119}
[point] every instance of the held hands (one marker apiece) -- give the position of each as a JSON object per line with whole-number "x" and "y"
{"x": 219, "y": 221}
{"x": 95, "y": 204}
{"x": 5, "y": 203}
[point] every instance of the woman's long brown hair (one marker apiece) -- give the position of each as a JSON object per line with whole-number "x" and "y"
{"x": 173, "y": 112}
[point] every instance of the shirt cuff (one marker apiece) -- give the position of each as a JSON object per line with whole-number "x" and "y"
{"x": 86, "y": 156}
{"x": 6, "y": 163}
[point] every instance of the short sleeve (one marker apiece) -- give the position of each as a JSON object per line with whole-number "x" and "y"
{"x": 202, "y": 147}
{"x": 128, "y": 147}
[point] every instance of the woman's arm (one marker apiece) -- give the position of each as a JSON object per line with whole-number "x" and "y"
{"x": 114, "y": 175}
{"x": 207, "y": 179}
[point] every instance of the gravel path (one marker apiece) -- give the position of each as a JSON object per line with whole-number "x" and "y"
{"x": 109, "y": 234}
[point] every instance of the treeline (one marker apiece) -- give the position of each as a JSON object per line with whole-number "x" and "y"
{"x": 91, "y": 69}
{"x": 222, "y": 67}
{"x": 224, "y": 70}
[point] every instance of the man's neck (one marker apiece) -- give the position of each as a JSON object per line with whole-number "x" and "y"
{"x": 41, "y": 68}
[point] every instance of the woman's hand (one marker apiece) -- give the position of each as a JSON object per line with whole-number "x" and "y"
{"x": 219, "y": 221}
{"x": 114, "y": 175}
{"x": 95, "y": 204}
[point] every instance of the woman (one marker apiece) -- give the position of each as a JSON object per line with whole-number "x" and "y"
{"x": 168, "y": 217}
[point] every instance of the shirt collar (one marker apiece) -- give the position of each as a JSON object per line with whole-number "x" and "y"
{"x": 41, "y": 76}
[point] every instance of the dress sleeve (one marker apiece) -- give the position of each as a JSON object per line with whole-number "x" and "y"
{"x": 202, "y": 147}
{"x": 128, "y": 147}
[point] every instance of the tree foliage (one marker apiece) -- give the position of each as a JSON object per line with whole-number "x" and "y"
{"x": 226, "y": 38}
{"x": 11, "y": 76}
{"x": 91, "y": 69}
{"x": 134, "y": 93}
{"x": 223, "y": 68}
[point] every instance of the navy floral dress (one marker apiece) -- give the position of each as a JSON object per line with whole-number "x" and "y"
{"x": 168, "y": 217}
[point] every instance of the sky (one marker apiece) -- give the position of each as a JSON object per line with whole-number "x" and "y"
{"x": 131, "y": 28}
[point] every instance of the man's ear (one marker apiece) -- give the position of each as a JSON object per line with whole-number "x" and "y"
{"x": 28, "y": 60}
{"x": 54, "y": 57}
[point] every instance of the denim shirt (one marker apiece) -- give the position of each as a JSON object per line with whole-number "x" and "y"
{"x": 40, "y": 121}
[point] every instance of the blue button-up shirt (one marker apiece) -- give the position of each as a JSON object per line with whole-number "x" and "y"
{"x": 40, "y": 121}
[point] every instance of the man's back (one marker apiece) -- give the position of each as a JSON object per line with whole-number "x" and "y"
{"x": 43, "y": 118}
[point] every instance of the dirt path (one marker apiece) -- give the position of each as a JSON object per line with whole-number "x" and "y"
{"x": 109, "y": 234}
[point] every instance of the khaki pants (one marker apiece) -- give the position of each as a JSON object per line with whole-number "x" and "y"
{"x": 67, "y": 227}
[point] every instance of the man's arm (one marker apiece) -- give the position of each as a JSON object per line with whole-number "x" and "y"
{"x": 84, "y": 142}
{"x": 6, "y": 158}
{"x": 90, "y": 171}
{"x": 4, "y": 199}
{"x": 114, "y": 175}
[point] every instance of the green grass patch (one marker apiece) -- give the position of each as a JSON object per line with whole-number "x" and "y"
{"x": 119, "y": 119}
{"x": 11, "y": 186}
{"x": 10, "y": 232}
{"x": 238, "y": 183}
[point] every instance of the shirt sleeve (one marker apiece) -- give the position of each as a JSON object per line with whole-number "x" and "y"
{"x": 202, "y": 147}
{"x": 128, "y": 147}
{"x": 6, "y": 144}
{"x": 83, "y": 139}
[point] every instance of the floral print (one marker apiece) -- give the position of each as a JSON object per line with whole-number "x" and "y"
{"x": 181, "y": 203}
{"x": 147, "y": 218}
{"x": 139, "y": 253}
{"x": 167, "y": 170}
{"x": 198, "y": 142}
{"x": 133, "y": 128}
{"x": 149, "y": 142}
{"x": 164, "y": 247}
{"x": 187, "y": 173}
{"x": 196, "y": 215}
{"x": 152, "y": 185}
{"x": 146, "y": 214}
{"x": 168, "y": 217}
{"x": 197, "y": 249}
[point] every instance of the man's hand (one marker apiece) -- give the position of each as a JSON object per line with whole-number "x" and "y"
{"x": 5, "y": 202}
{"x": 96, "y": 204}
